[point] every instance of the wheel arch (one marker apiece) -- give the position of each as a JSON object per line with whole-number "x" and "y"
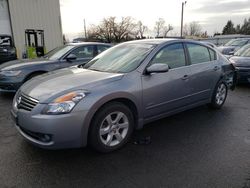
{"x": 34, "y": 73}
{"x": 125, "y": 99}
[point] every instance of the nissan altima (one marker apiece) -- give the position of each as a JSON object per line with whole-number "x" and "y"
{"x": 118, "y": 91}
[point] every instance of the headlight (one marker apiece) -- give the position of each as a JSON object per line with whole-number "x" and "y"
{"x": 10, "y": 73}
{"x": 232, "y": 61}
{"x": 65, "y": 103}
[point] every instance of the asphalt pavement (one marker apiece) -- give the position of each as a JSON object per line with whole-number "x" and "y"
{"x": 197, "y": 148}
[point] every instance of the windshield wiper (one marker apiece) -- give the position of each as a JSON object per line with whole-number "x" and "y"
{"x": 95, "y": 69}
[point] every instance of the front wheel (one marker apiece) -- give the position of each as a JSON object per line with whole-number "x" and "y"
{"x": 219, "y": 95}
{"x": 111, "y": 128}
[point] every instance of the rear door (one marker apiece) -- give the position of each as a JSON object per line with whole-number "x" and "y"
{"x": 205, "y": 71}
{"x": 164, "y": 92}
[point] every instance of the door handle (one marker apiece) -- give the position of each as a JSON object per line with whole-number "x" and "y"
{"x": 216, "y": 68}
{"x": 185, "y": 77}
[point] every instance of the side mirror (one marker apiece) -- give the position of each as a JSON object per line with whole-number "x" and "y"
{"x": 157, "y": 68}
{"x": 71, "y": 57}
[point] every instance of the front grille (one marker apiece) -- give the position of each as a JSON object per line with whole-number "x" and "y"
{"x": 26, "y": 102}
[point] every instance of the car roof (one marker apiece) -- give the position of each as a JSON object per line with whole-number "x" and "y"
{"x": 88, "y": 43}
{"x": 163, "y": 41}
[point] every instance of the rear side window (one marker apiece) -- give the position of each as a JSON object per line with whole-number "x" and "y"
{"x": 101, "y": 48}
{"x": 198, "y": 54}
{"x": 213, "y": 55}
{"x": 172, "y": 55}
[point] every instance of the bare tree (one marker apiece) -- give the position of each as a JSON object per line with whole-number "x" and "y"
{"x": 166, "y": 30}
{"x": 161, "y": 28}
{"x": 110, "y": 30}
{"x": 195, "y": 29}
{"x": 124, "y": 29}
{"x": 192, "y": 29}
{"x": 159, "y": 25}
{"x": 141, "y": 29}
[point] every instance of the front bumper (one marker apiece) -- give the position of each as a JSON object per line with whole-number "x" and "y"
{"x": 243, "y": 74}
{"x": 51, "y": 131}
{"x": 10, "y": 84}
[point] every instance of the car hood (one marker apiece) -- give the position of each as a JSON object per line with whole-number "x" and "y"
{"x": 241, "y": 61}
{"x": 62, "y": 81}
{"x": 20, "y": 64}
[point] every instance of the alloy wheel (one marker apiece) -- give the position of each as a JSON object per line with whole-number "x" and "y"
{"x": 114, "y": 128}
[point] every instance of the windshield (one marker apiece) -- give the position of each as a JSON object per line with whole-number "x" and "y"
{"x": 58, "y": 52}
{"x": 120, "y": 59}
{"x": 237, "y": 42}
{"x": 244, "y": 51}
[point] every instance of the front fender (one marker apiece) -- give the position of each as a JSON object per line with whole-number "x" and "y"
{"x": 104, "y": 100}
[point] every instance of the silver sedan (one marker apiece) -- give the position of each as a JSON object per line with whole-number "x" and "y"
{"x": 118, "y": 91}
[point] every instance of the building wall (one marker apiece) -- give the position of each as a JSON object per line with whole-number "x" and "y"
{"x": 4, "y": 18}
{"x": 38, "y": 15}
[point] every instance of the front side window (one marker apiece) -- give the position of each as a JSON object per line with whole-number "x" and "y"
{"x": 198, "y": 54}
{"x": 84, "y": 52}
{"x": 173, "y": 55}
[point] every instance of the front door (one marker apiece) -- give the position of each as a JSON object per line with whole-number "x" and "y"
{"x": 165, "y": 92}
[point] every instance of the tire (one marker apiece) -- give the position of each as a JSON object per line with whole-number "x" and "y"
{"x": 219, "y": 95}
{"x": 111, "y": 127}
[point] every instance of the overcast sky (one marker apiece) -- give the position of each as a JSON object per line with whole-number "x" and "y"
{"x": 211, "y": 14}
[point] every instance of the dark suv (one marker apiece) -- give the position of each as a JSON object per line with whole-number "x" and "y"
{"x": 7, "y": 49}
{"x": 14, "y": 73}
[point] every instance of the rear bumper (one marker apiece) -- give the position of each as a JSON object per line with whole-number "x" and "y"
{"x": 9, "y": 87}
{"x": 10, "y": 84}
{"x": 243, "y": 74}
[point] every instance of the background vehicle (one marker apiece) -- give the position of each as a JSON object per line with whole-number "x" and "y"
{"x": 121, "y": 89}
{"x": 14, "y": 73}
{"x": 241, "y": 60}
{"x": 233, "y": 45}
{"x": 209, "y": 44}
{"x": 7, "y": 49}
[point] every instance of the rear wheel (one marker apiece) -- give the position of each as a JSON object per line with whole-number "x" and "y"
{"x": 111, "y": 128}
{"x": 219, "y": 95}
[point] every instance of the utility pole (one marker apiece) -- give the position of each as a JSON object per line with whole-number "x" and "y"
{"x": 85, "y": 31}
{"x": 182, "y": 12}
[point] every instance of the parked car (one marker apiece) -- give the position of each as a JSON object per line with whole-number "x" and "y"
{"x": 233, "y": 45}
{"x": 7, "y": 49}
{"x": 241, "y": 60}
{"x": 14, "y": 73}
{"x": 118, "y": 91}
{"x": 209, "y": 44}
